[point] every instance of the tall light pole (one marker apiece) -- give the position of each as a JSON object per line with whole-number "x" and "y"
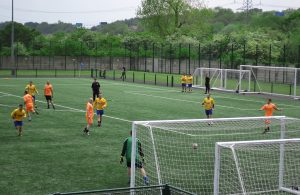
{"x": 12, "y": 34}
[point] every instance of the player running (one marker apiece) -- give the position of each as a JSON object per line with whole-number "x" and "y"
{"x": 189, "y": 81}
{"x": 32, "y": 90}
{"x": 89, "y": 115}
{"x": 126, "y": 151}
{"x": 100, "y": 104}
{"x": 209, "y": 105}
{"x": 18, "y": 115}
{"x": 183, "y": 82}
{"x": 28, "y": 101}
{"x": 269, "y": 108}
{"x": 48, "y": 92}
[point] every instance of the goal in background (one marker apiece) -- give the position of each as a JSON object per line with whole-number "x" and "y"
{"x": 282, "y": 81}
{"x": 257, "y": 167}
{"x": 181, "y": 152}
{"x": 222, "y": 79}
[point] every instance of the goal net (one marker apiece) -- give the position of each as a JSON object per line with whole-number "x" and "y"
{"x": 257, "y": 167}
{"x": 282, "y": 81}
{"x": 181, "y": 152}
{"x": 222, "y": 79}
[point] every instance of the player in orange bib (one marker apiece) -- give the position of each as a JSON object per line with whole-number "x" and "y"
{"x": 29, "y": 102}
{"x": 269, "y": 108}
{"x": 89, "y": 115}
{"x": 48, "y": 92}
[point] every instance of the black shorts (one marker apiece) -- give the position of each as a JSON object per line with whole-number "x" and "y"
{"x": 138, "y": 164}
{"x": 48, "y": 97}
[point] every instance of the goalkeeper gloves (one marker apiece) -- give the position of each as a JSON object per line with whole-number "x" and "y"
{"x": 121, "y": 160}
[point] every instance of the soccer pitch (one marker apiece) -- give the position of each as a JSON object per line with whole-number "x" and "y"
{"x": 54, "y": 155}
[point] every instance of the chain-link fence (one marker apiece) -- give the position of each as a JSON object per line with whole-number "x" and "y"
{"x": 148, "y": 57}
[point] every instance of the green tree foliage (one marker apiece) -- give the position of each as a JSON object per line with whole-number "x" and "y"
{"x": 165, "y": 17}
{"x": 23, "y": 34}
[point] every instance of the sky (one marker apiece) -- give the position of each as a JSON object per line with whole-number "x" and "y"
{"x": 92, "y": 12}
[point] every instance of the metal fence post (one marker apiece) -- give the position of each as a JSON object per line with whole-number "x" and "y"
{"x": 144, "y": 77}
{"x": 231, "y": 59}
{"x": 172, "y": 81}
{"x": 110, "y": 57}
{"x": 179, "y": 59}
{"x": 155, "y": 79}
{"x": 284, "y": 63}
{"x": 167, "y": 80}
{"x": 138, "y": 56}
{"x": 244, "y": 53}
{"x": 220, "y": 56}
{"x": 270, "y": 55}
{"x": 256, "y": 55}
{"x": 153, "y": 56}
{"x": 133, "y": 77}
{"x": 170, "y": 58}
{"x": 298, "y": 66}
{"x": 17, "y": 54}
{"x": 209, "y": 56}
{"x": 65, "y": 53}
{"x": 189, "y": 58}
{"x": 145, "y": 56}
{"x": 114, "y": 74}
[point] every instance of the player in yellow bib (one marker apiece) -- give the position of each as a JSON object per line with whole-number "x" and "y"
{"x": 183, "y": 82}
{"x": 209, "y": 105}
{"x": 17, "y": 115}
{"x": 32, "y": 90}
{"x": 189, "y": 81}
{"x": 100, "y": 104}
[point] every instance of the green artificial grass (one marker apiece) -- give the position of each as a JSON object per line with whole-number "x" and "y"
{"x": 53, "y": 154}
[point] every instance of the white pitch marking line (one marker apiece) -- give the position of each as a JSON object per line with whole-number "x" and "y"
{"x": 4, "y": 96}
{"x": 74, "y": 109}
{"x": 231, "y": 98}
{"x": 142, "y": 94}
{"x": 4, "y": 105}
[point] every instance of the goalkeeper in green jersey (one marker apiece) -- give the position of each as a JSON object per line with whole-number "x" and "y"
{"x": 139, "y": 160}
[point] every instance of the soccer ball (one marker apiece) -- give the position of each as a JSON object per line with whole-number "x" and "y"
{"x": 195, "y": 145}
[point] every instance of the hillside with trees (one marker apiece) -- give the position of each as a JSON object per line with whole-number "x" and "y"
{"x": 174, "y": 23}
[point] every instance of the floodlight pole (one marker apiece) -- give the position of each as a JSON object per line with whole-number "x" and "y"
{"x": 12, "y": 34}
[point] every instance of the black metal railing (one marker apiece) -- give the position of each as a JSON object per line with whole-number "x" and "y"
{"x": 144, "y": 190}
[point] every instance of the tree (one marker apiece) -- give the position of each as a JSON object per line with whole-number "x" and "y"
{"x": 165, "y": 16}
{"x": 23, "y": 34}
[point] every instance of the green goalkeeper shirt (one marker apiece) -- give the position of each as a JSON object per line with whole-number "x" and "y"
{"x": 127, "y": 146}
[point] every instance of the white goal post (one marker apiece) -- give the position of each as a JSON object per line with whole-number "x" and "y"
{"x": 181, "y": 152}
{"x": 222, "y": 79}
{"x": 257, "y": 167}
{"x": 282, "y": 81}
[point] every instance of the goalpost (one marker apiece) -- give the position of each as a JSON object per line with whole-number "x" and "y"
{"x": 281, "y": 81}
{"x": 181, "y": 152}
{"x": 222, "y": 79}
{"x": 257, "y": 167}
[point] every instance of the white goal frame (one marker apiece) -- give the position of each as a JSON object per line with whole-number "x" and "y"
{"x": 231, "y": 146}
{"x": 151, "y": 126}
{"x": 222, "y": 76}
{"x": 254, "y": 78}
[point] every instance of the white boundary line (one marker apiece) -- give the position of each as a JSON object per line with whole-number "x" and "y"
{"x": 219, "y": 96}
{"x": 4, "y": 105}
{"x": 74, "y": 109}
{"x": 4, "y": 96}
{"x": 181, "y": 100}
